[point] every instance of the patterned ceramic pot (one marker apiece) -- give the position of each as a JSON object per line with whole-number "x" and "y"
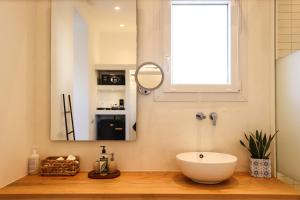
{"x": 260, "y": 168}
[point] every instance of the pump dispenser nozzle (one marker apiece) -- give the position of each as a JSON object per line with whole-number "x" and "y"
{"x": 103, "y": 149}
{"x": 103, "y": 161}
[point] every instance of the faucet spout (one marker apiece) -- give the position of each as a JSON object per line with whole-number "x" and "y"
{"x": 213, "y": 116}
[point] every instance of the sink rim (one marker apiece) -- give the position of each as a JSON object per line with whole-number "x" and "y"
{"x": 231, "y": 158}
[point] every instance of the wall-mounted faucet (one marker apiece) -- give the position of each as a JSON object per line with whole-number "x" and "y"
{"x": 213, "y": 116}
{"x": 200, "y": 116}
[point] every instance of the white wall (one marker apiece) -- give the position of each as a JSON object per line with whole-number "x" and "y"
{"x": 17, "y": 97}
{"x": 114, "y": 47}
{"x": 62, "y": 73}
{"x": 165, "y": 129}
{"x": 81, "y": 92}
{"x": 287, "y": 112}
{"x": 70, "y": 72}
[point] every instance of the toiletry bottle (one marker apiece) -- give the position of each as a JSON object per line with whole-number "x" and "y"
{"x": 103, "y": 162}
{"x": 33, "y": 163}
{"x": 112, "y": 166}
{"x": 96, "y": 167}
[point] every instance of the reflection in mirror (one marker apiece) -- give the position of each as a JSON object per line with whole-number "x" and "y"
{"x": 93, "y": 62}
{"x": 149, "y": 76}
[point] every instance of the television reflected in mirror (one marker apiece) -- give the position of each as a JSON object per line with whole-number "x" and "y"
{"x": 93, "y": 64}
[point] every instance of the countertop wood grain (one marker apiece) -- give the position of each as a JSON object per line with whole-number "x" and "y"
{"x": 147, "y": 185}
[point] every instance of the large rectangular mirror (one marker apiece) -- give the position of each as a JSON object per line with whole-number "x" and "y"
{"x": 93, "y": 62}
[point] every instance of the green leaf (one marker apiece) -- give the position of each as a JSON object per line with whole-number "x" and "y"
{"x": 265, "y": 140}
{"x": 253, "y": 136}
{"x": 268, "y": 143}
{"x": 253, "y": 148}
{"x": 258, "y": 141}
{"x": 267, "y": 156}
{"x": 244, "y": 145}
{"x": 246, "y": 137}
{"x": 261, "y": 151}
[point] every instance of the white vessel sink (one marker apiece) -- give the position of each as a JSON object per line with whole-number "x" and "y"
{"x": 206, "y": 167}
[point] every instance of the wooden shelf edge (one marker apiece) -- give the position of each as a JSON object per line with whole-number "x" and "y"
{"x": 139, "y": 185}
{"x": 186, "y": 196}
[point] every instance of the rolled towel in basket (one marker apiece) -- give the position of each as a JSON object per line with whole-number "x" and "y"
{"x": 71, "y": 157}
{"x": 60, "y": 158}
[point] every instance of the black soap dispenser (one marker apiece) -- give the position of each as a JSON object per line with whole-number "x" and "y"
{"x": 103, "y": 161}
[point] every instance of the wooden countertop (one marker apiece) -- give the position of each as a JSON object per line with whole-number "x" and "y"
{"x": 147, "y": 184}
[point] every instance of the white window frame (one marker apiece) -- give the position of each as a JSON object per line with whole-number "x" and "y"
{"x": 236, "y": 83}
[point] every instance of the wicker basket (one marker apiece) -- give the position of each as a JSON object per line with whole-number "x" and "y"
{"x": 52, "y": 167}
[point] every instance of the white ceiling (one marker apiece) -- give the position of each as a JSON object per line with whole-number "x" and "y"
{"x": 106, "y": 18}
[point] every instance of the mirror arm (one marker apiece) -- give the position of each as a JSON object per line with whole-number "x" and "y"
{"x": 143, "y": 91}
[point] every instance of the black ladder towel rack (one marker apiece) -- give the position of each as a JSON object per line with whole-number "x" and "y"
{"x": 66, "y": 119}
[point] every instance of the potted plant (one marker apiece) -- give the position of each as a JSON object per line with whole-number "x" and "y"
{"x": 258, "y": 144}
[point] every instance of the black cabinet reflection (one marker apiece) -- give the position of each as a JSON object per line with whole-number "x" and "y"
{"x": 111, "y": 127}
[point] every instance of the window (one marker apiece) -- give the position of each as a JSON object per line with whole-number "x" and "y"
{"x": 203, "y": 47}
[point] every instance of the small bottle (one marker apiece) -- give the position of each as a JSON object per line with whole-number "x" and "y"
{"x": 33, "y": 163}
{"x": 96, "y": 167}
{"x": 112, "y": 166}
{"x": 103, "y": 162}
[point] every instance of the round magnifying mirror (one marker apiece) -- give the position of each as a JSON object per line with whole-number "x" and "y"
{"x": 149, "y": 76}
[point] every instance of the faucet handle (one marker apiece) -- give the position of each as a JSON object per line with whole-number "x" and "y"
{"x": 213, "y": 116}
{"x": 200, "y": 116}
